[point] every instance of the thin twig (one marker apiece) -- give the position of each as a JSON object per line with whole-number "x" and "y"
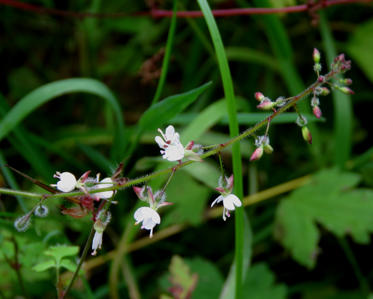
{"x": 160, "y": 13}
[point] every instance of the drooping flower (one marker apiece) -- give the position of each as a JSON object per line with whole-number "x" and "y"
{"x": 149, "y": 215}
{"x": 67, "y": 181}
{"x": 149, "y": 218}
{"x": 230, "y": 201}
{"x": 102, "y": 220}
{"x": 172, "y": 149}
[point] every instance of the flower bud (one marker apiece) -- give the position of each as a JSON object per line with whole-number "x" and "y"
{"x": 257, "y": 154}
{"x": 324, "y": 91}
{"x": 306, "y": 134}
{"x": 259, "y": 96}
{"x": 346, "y": 81}
{"x": 301, "y": 120}
{"x": 317, "y": 111}
{"x": 266, "y": 105}
{"x": 317, "y": 67}
{"x": 346, "y": 90}
{"x": 268, "y": 149}
{"x": 316, "y": 55}
{"x": 23, "y": 223}
{"x": 41, "y": 211}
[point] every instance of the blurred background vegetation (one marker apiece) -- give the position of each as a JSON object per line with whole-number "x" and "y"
{"x": 314, "y": 242}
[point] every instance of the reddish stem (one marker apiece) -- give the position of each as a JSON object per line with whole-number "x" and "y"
{"x": 160, "y": 13}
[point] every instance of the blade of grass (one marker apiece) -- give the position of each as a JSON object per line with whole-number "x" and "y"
{"x": 234, "y": 131}
{"x": 342, "y": 104}
{"x": 52, "y": 90}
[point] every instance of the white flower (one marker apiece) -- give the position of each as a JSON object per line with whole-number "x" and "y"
{"x": 67, "y": 181}
{"x": 230, "y": 202}
{"x": 97, "y": 241}
{"x": 105, "y": 183}
{"x": 148, "y": 217}
{"x": 173, "y": 150}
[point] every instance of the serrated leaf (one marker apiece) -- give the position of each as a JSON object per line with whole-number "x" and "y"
{"x": 360, "y": 47}
{"x": 329, "y": 200}
{"x": 260, "y": 284}
{"x": 44, "y": 266}
{"x": 168, "y": 108}
{"x": 182, "y": 279}
{"x": 61, "y": 251}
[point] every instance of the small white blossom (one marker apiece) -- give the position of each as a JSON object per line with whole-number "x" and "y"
{"x": 230, "y": 202}
{"x": 105, "y": 183}
{"x": 172, "y": 149}
{"x": 149, "y": 218}
{"x": 67, "y": 181}
{"x": 97, "y": 242}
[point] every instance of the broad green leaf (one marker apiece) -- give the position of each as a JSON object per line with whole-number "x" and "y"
{"x": 189, "y": 198}
{"x": 205, "y": 120}
{"x": 210, "y": 280}
{"x": 160, "y": 113}
{"x": 331, "y": 201}
{"x": 260, "y": 284}
{"x": 44, "y": 266}
{"x": 205, "y": 172}
{"x": 52, "y": 90}
{"x": 61, "y": 251}
{"x": 69, "y": 265}
{"x": 360, "y": 47}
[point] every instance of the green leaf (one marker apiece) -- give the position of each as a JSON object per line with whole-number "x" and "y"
{"x": 61, "y": 251}
{"x": 52, "y": 90}
{"x": 160, "y": 113}
{"x": 189, "y": 198}
{"x": 210, "y": 280}
{"x": 182, "y": 279}
{"x": 329, "y": 200}
{"x": 44, "y": 266}
{"x": 360, "y": 47}
{"x": 260, "y": 284}
{"x": 69, "y": 265}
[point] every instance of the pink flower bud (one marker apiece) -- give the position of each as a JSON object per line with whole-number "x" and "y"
{"x": 317, "y": 111}
{"x": 266, "y": 105}
{"x": 324, "y": 91}
{"x": 259, "y": 96}
{"x": 306, "y": 134}
{"x": 346, "y": 90}
{"x": 257, "y": 154}
{"x": 316, "y": 55}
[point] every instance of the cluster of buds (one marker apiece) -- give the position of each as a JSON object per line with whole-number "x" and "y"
{"x": 230, "y": 201}
{"x": 302, "y": 122}
{"x": 266, "y": 103}
{"x": 262, "y": 145}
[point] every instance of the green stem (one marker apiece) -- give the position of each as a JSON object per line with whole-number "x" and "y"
{"x": 82, "y": 258}
{"x": 234, "y": 131}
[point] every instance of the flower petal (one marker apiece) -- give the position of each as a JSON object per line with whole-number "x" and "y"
{"x": 160, "y": 142}
{"x": 217, "y": 200}
{"x": 170, "y": 132}
{"x": 230, "y": 201}
{"x": 105, "y": 183}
